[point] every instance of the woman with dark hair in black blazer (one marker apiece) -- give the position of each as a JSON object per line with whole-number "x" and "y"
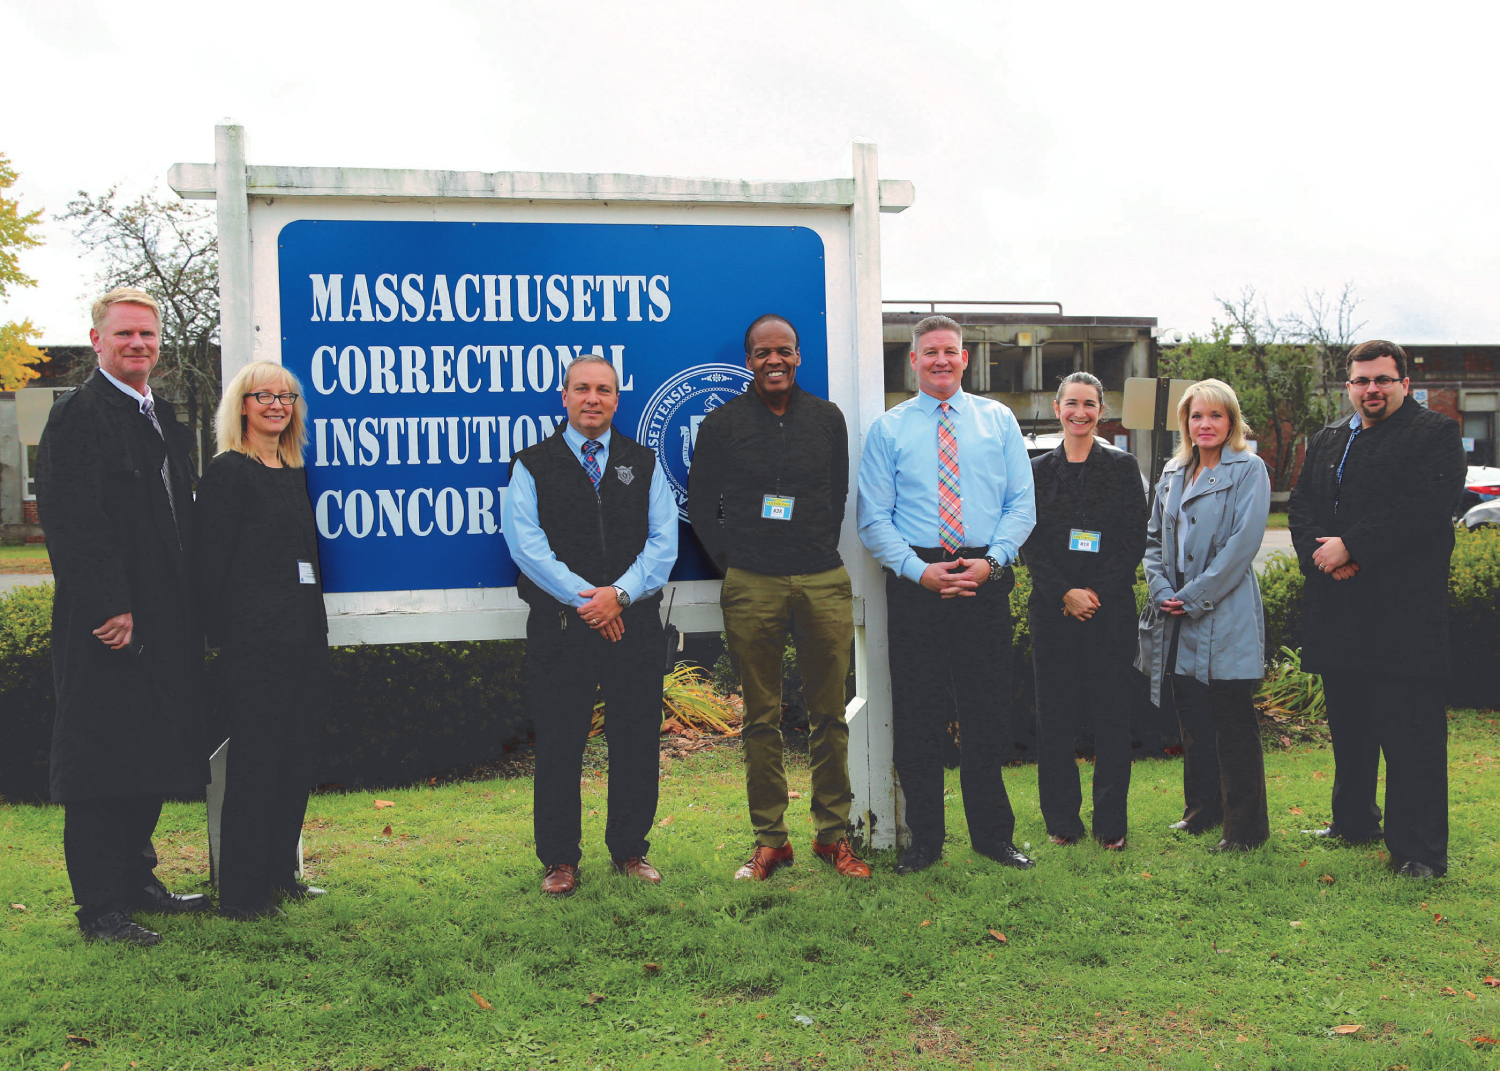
{"x": 1090, "y": 534}
{"x": 260, "y": 588}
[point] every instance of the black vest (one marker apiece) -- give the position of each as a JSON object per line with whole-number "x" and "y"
{"x": 598, "y": 536}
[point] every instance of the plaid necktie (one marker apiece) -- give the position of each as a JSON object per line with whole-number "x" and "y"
{"x": 149, "y": 408}
{"x": 950, "y": 502}
{"x": 590, "y": 464}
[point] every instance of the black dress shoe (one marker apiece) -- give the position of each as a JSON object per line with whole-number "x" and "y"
{"x": 299, "y": 891}
{"x": 1413, "y": 869}
{"x": 118, "y": 926}
{"x": 251, "y": 914}
{"x": 1007, "y": 854}
{"x": 918, "y": 857}
{"x": 156, "y": 900}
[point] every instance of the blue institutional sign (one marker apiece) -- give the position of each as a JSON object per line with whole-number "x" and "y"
{"x": 432, "y": 352}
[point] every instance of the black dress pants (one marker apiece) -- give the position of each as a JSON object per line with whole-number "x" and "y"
{"x": 276, "y": 698}
{"x": 567, "y": 664}
{"x": 1405, "y": 717}
{"x": 950, "y": 661}
{"x": 1221, "y": 733}
{"x": 107, "y": 845}
{"x": 1082, "y": 671}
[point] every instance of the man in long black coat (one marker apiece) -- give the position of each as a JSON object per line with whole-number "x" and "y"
{"x": 1372, "y": 522}
{"x": 114, "y": 491}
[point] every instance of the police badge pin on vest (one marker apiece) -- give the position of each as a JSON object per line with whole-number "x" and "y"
{"x": 623, "y": 473}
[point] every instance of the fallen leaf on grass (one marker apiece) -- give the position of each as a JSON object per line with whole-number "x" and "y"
{"x": 1326, "y": 879}
{"x": 925, "y": 922}
{"x": 794, "y": 795}
{"x": 1492, "y": 982}
{"x": 593, "y": 814}
{"x": 1294, "y": 810}
{"x": 1471, "y": 996}
{"x": 19, "y": 907}
{"x": 594, "y": 998}
{"x": 1448, "y": 991}
{"x": 1482, "y": 1040}
{"x": 1303, "y": 863}
{"x": 1242, "y": 1038}
{"x": 79, "y": 1039}
{"x": 1145, "y": 873}
{"x": 386, "y": 832}
{"x": 719, "y": 848}
{"x": 67, "y": 1065}
{"x": 432, "y": 780}
{"x": 665, "y": 821}
{"x": 486, "y": 1005}
{"x": 1294, "y": 924}
{"x": 652, "y": 968}
{"x": 1318, "y": 775}
{"x": 997, "y": 935}
{"x": 1349, "y": 1028}
{"x": 383, "y": 803}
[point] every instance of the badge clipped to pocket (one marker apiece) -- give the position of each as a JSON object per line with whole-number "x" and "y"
{"x": 1081, "y": 539}
{"x": 774, "y": 508}
{"x": 305, "y": 573}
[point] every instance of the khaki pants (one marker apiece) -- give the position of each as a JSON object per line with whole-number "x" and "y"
{"x": 816, "y": 610}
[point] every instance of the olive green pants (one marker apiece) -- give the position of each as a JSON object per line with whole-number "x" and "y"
{"x": 817, "y": 611}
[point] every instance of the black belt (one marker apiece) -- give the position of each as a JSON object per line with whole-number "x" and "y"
{"x": 931, "y": 555}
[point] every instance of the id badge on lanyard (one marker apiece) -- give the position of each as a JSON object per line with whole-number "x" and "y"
{"x": 776, "y": 508}
{"x": 1084, "y": 540}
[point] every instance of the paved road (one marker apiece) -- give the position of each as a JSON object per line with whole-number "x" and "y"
{"x": 17, "y": 580}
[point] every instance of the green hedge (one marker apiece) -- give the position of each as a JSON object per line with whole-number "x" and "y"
{"x": 398, "y": 713}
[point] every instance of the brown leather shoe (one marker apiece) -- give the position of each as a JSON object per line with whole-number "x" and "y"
{"x": 842, "y": 858}
{"x": 637, "y": 867}
{"x": 560, "y": 880}
{"x": 765, "y": 862}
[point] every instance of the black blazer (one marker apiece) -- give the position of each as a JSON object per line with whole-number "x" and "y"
{"x": 1105, "y": 497}
{"x": 254, "y": 524}
{"x": 1395, "y": 514}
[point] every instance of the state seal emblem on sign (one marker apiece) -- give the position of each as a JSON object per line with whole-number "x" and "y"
{"x": 670, "y": 420}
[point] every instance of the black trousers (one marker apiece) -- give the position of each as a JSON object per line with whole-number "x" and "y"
{"x": 1082, "y": 671}
{"x": 1404, "y": 717}
{"x": 107, "y": 845}
{"x": 950, "y": 661}
{"x": 276, "y": 699}
{"x": 567, "y": 664}
{"x": 1223, "y": 767}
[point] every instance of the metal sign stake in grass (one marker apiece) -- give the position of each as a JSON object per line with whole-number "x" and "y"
{"x": 431, "y": 316}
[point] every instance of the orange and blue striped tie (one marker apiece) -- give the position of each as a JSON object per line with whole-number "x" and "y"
{"x": 950, "y": 501}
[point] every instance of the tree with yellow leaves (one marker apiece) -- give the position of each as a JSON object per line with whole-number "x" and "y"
{"x": 17, "y": 231}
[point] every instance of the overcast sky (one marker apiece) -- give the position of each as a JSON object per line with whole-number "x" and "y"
{"x": 1124, "y": 159}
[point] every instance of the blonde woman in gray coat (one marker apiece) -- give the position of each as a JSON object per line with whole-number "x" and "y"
{"x": 1202, "y": 628}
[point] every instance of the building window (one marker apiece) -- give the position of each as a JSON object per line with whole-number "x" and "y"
{"x": 28, "y": 479}
{"x": 1480, "y": 427}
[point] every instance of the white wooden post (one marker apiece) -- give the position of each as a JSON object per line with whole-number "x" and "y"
{"x": 877, "y": 799}
{"x": 236, "y": 297}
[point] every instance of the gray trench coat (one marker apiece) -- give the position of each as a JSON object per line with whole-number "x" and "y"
{"x": 1223, "y": 632}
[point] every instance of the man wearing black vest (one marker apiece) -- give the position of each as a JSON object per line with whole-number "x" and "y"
{"x": 1372, "y": 521}
{"x": 592, "y": 526}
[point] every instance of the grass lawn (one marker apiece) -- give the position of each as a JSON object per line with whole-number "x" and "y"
{"x": 434, "y": 949}
{"x": 24, "y": 559}
{"x": 1277, "y": 520}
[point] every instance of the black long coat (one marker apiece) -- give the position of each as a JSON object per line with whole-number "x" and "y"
{"x": 1105, "y": 497}
{"x": 1395, "y": 513}
{"x": 129, "y": 722}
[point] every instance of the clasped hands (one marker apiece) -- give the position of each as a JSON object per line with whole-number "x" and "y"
{"x": 953, "y": 579}
{"x": 1333, "y": 558}
{"x": 602, "y": 612}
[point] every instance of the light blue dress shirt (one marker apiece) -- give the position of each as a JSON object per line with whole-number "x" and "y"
{"x": 898, "y": 481}
{"x": 532, "y": 553}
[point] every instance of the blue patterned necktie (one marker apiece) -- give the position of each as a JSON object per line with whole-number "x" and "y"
{"x": 591, "y": 464}
{"x": 149, "y": 408}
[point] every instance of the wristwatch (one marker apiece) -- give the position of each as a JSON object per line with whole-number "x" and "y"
{"x": 995, "y": 567}
{"x": 622, "y": 595}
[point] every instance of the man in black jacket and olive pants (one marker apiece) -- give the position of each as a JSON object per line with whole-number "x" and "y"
{"x": 1372, "y": 522}
{"x": 766, "y": 497}
{"x": 114, "y": 492}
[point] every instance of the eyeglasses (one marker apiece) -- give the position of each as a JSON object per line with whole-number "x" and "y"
{"x": 265, "y": 397}
{"x": 1380, "y": 381}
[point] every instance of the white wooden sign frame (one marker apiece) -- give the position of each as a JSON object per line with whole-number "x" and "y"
{"x": 255, "y": 201}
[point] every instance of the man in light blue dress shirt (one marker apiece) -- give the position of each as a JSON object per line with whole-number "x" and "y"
{"x": 592, "y": 525}
{"x": 945, "y": 502}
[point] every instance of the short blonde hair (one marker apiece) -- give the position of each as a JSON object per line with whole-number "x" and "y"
{"x": 127, "y": 295}
{"x": 229, "y": 423}
{"x": 1215, "y": 392}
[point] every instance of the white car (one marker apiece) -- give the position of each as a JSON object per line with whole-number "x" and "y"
{"x": 1481, "y": 484}
{"x": 1483, "y": 514}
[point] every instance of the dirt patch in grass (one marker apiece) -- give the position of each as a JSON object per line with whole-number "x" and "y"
{"x": 934, "y": 1038}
